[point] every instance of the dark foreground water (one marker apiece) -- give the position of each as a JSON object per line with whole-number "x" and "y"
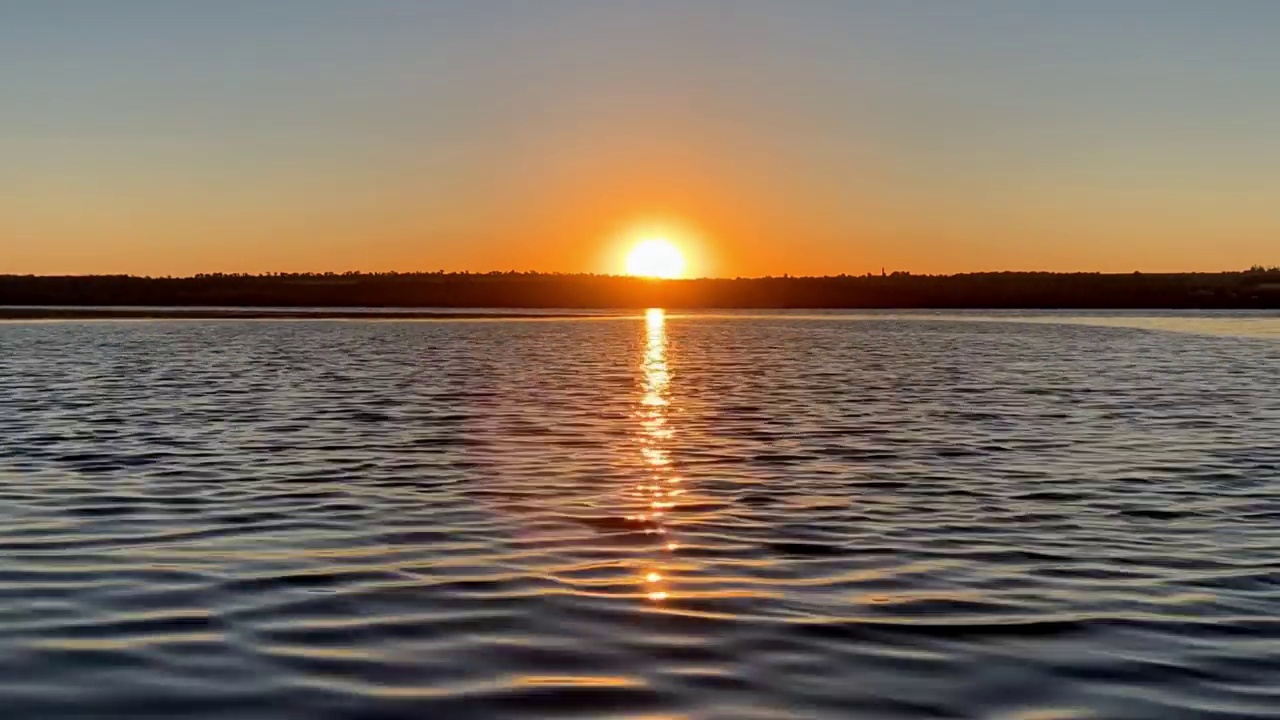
{"x": 640, "y": 518}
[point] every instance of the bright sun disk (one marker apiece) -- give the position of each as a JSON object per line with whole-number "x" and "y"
{"x": 655, "y": 258}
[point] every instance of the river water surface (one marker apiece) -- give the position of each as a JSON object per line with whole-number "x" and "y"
{"x": 646, "y": 517}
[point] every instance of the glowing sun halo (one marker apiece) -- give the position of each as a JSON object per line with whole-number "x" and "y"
{"x": 655, "y": 258}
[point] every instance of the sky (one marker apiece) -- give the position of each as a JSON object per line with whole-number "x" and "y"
{"x": 762, "y": 136}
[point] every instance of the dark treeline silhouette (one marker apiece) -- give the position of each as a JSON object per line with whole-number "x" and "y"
{"x": 1258, "y": 287}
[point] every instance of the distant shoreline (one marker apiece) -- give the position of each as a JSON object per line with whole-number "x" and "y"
{"x": 468, "y": 295}
{"x": 197, "y": 313}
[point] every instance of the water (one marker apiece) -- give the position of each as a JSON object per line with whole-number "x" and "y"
{"x": 662, "y": 517}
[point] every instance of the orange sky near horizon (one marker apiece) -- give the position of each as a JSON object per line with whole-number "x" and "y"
{"x": 580, "y": 215}
{"x": 328, "y": 136}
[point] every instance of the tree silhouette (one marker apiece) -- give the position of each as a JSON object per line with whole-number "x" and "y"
{"x": 1259, "y": 287}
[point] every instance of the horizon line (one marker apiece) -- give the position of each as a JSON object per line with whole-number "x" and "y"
{"x": 1264, "y": 269}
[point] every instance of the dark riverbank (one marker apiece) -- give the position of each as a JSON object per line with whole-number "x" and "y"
{"x": 1234, "y": 290}
{"x": 170, "y": 313}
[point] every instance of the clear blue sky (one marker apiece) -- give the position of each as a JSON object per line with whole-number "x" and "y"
{"x": 173, "y": 136}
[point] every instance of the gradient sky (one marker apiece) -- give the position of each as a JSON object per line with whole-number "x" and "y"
{"x": 807, "y": 137}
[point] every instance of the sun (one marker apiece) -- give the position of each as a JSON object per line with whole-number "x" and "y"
{"x": 655, "y": 258}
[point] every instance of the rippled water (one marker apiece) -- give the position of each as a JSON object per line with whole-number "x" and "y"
{"x": 707, "y": 517}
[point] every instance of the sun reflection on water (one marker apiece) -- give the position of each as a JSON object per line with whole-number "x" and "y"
{"x": 655, "y": 434}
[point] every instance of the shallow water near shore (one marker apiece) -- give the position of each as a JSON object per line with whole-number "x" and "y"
{"x": 668, "y": 516}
